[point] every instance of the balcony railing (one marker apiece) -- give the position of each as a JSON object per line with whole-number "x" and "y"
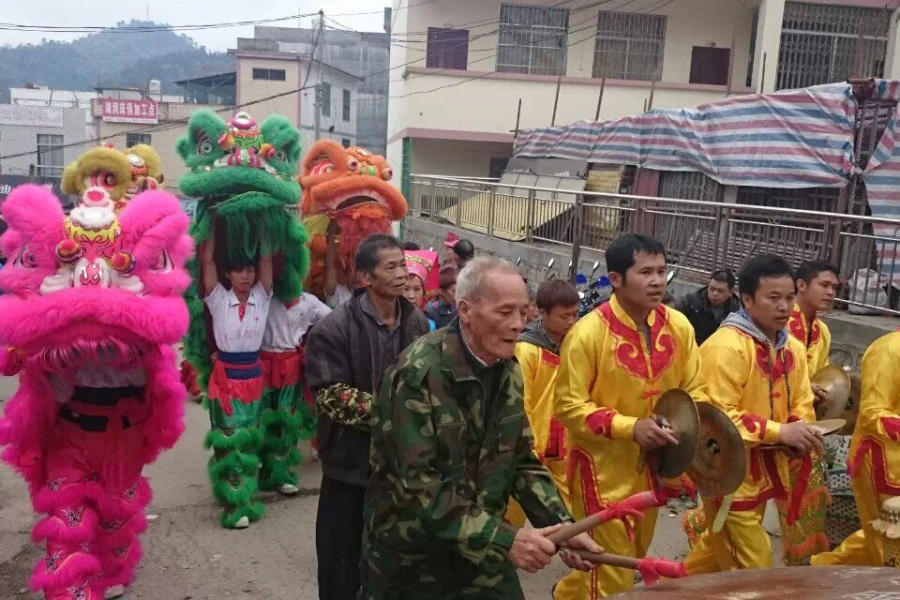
{"x": 700, "y": 236}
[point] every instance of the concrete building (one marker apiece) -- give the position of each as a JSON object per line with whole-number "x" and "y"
{"x": 364, "y": 54}
{"x": 40, "y": 140}
{"x": 270, "y": 80}
{"x": 464, "y": 66}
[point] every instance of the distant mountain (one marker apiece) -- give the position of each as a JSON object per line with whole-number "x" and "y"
{"x": 110, "y": 59}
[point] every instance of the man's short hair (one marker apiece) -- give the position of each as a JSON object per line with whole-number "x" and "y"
{"x": 447, "y": 277}
{"x": 556, "y": 292}
{"x": 725, "y": 276}
{"x": 411, "y": 246}
{"x": 471, "y": 284}
{"x": 811, "y": 269}
{"x": 759, "y": 266}
{"x": 368, "y": 253}
{"x": 620, "y": 254}
{"x": 464, "y": 250}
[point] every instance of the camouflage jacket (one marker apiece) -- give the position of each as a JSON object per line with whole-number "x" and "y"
{"x": 442, "y": 477}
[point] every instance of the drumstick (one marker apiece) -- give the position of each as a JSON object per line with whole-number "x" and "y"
{"x": 651, "y": 567}
{"x": 620, "y": 510}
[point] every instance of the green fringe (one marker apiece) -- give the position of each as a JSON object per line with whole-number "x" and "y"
{"x": 281, "y": 430}
{"x": 233, "y": 463}
{"x": 253, "y": 511}
{"x": 307, "y": 422}
{"x": 241, "y": 440}
{"x": 276, "y": 470}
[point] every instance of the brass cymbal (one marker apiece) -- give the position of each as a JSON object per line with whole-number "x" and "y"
{"x": 836, "y": 382}
{"x": 852, "y": 409}
{"x": 720, "y": 464}
{"x": 680, "y": 416}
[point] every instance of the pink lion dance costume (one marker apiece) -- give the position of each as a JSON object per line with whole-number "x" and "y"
{"x": 92, "y": 305}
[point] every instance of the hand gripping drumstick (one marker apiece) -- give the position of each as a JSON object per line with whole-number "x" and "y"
{"x": 633, "y": 506}
{"x": 651, "y": 569}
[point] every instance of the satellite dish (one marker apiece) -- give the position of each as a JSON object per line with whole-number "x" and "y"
{"x": 551, "y": 263}
{"x": 518, "y": 261}
{"x": 670, "y": 276}
{"x": 570, "y": 264}
{"x": 595, "y": 267}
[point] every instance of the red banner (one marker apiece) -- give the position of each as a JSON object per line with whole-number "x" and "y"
{"x": 129, "y": 111}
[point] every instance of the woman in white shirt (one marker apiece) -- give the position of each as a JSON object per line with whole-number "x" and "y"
{"x": 239, "y": 314}
{"x": 286, "y": 417}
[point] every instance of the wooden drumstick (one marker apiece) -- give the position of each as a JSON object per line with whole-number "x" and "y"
{"x": 639, "y": 502}
{"x": 654, "y": 568}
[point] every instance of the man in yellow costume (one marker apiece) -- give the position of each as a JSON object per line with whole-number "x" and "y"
{"x": 817, "y": 283}
{"x": 756, "y": 373}
{"x": 874, "y": 453}
{"x": 615, "y": 364}
{"x": 538, "y": 355}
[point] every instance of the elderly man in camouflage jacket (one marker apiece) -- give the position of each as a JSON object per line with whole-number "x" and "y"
{"x": 450, "y": 445}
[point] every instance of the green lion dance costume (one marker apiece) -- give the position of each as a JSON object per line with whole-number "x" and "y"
{"x": 244, "y": 176}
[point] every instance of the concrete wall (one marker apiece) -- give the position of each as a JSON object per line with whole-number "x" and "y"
{"x": 342, "y": 129}
{"x": 850, "y": 334}
{"x": 444, "y": 157}
{"x": 19, "y": 139}
{"x": 250, "y": 90}
{"x": 489, "y": 103}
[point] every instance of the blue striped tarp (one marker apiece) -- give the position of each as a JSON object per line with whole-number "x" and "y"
{"x": 789, "y": 139}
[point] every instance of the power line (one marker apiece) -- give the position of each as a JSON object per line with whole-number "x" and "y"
{"x": 127, "y": 29}
{"x": 378, "y": 12}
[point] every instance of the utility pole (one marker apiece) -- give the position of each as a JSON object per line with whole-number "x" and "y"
{"x": 317, "y": 111}
{"x": 317, "y": 105}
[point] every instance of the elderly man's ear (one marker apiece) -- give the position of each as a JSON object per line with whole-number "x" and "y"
{"x": 464, "y": 311}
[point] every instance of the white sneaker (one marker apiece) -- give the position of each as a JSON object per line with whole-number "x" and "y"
{"x": 116, "y": 591}
{"x": 288, "y": 489}
{"x": 243, "y": 523}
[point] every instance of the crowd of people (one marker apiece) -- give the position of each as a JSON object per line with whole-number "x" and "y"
{"x": 451, "y": 402}
{"x": 513, "y": 409}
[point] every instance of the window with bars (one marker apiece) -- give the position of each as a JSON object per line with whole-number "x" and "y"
{"x": 133, "y": 139}
{"x": 346, "y": 106}
{"x": 447, "y": 48}
{"x": 821, "y": 43}
{"x": 50, "y": 159}
{"x": 532, "y": 40}
{"x": 269, "y": 74}
{"x": 629, "y": 46}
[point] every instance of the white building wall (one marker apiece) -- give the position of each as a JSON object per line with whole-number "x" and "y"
{"x": 342, "y": 129}
{"x": 22, "y": 139}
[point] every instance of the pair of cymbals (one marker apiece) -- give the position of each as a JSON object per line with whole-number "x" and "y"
{"x": 843, "y": 392}
{"x": 709, "y": 447}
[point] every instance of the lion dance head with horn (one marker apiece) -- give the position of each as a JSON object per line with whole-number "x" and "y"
{"x": 349, "y": 186}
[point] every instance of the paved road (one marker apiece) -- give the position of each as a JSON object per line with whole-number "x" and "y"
{"x": 187, "y": 556}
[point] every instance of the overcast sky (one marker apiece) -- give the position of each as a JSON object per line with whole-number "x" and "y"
{"x": 181, "y": 12}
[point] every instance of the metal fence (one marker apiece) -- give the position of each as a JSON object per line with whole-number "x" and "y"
{"x": 700, "y": 236}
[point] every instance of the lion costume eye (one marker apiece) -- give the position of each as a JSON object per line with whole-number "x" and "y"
{"x": 387, "y": 174}
{"x": 103, "y": 179}
{"x": 162, "y": 263}
{"x": 280, "y": 155}
{"x": 25, "y": 259}
{"x": 322, "y": 168}
{"x": 204, "y": 145}
{"x": 352, "y": 165}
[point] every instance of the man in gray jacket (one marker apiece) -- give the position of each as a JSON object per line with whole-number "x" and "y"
{"x": 347, "y": 354}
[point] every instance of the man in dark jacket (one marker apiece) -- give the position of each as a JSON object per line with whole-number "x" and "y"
{"x": 347, "y": 354}
{"x": 707, "y": 307}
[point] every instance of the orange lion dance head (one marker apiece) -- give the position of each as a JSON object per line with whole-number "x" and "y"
{"x": 349, "y": 186}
